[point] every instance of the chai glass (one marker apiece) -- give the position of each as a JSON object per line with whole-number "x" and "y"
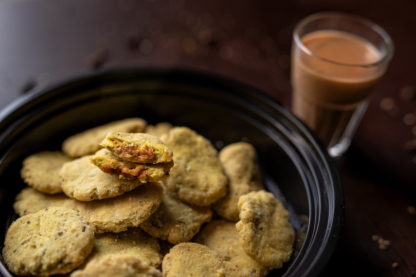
{"x": 337, "y": 59}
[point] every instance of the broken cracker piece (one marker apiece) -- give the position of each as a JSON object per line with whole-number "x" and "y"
{"x": 145, "y": 173}
{"x": 137, "y": 148}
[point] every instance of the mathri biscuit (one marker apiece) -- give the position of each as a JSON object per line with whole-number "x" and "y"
{"x": 197, "y": 176}
{"x": 124, "y": 170}
{"x": 137, "y": 148}
{"x": 176, "y": 221}
{"x": 240, "y": 164}
{"x": 83, "y": 181}
{"x": 109, "y": 215}
{"x": 88, "y": 141}
{"x": 264, "y": 229}
{"x": 41, "y": 171}
{"x": 120, "y": 265}
{"x": 50, "y": 241}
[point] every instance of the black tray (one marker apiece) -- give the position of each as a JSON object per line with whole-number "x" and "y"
{"x": 294, "y": 165}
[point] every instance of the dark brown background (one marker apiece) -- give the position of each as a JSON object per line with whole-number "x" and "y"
{"x": 45, "y": 41}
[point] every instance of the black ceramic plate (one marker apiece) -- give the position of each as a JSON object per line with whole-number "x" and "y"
{"x": 294, "y": 166}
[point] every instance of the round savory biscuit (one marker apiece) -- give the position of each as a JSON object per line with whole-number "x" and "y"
{"x": 129, "y": 210}
{"x": 197, "y": 176}
{"x": 137, "y": 147}
{"x": 123, "y": 170}
{"x": 41, "y": 171}
{"x": 30, "y": 201}
{"x": 133, "y": 242}
{"x": 88, "y": 141}
{"x": 120, "y": 265}
{"x": 193, "y": 259}
{"x": 240, "y": 164}
{"x": 264, "y": 229}
{"x": 176, "y": 221}
{"x": 222, "y": 237}
{"x": 108, "y": 215}
{"x": 83, "y": 181}
{"x": 51, "y": 241}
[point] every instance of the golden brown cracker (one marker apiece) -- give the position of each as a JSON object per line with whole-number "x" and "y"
{"x": 88, "y": 142}
{"x": 41, "y": 171}
{"x": 137, "y": 148}
{"x": 197, "y": 176}
{"x": 50, "y": 241}
{"x": 109, "y": 215}
{"x": 129, "y": 210}
{"x": 193, "y": 259}
{"x": 264, "y": 229}
{"x": 240, "y": 164}
{"x": 120, "y": 265}
{"x": 176, "y": 221}
{"x": 29, "y": 201}
{"x": 133, "y": 242}
{"x": 84, "y": 181}
{"x": 222, "y": 237}
{"x": 144, "y": 173}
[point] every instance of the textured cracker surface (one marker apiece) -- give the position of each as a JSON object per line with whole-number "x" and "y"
{"x": 109, "y": 215}
{"x": 222, "y": 237}
{"x": 159, "y": 129}
{"x": 240, "y": 164}
{"x": 138, "y": 147}
{"x": 133, "y": 242}
{"x": 82, "y": 180}
{"x": 51, "y": 241}
{"x": 120, "y": 265}
{"x": 264, "y": 229}
{"x": 176, "y": 221}
{"x": 88, "y": 142}
{"x": 41, "y": 171}
{"x": 30, "y": 201}
{"x": 193, "y": 259}
{"x": 197, "y": 176}
{"x": 144, "y": 173}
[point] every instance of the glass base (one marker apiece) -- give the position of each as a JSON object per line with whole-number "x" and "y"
{"x": 337, "y": 150}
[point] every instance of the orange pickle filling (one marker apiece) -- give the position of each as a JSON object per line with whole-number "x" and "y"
{"x": 126, "y": 170}
{"x": 132, "y": 150}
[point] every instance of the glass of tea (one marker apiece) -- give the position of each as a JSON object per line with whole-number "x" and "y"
{"x": 337, "y": 59}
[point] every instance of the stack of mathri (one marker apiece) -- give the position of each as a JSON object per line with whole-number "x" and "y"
{"x": 141, "y": 200}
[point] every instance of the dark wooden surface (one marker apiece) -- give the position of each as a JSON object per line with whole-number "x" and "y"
{"x": 45, "y": 41}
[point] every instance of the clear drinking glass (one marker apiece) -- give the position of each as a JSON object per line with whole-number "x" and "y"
{"x": 337, "y": 59}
